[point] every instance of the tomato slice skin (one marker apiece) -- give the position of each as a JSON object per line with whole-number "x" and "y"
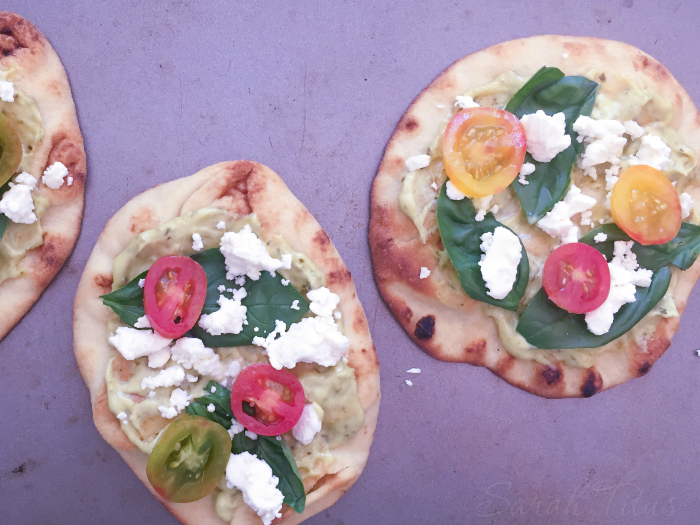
{"x": 174, "y": 294}
{"x": 646, "y": 206}
{"x": 267, "y": 401}
{"x": 189, "y": 459}
{"x": 576, "y": 278}
{"x": 483, "y": 150}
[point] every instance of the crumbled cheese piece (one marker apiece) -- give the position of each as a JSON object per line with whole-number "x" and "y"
{"x": 625, "y": 275}
{"x": 245, "y": 254}
{"x": 233, "y": 369}
{"x": 528, "y": 168}
{"x": 221, "y": 288}
{"x": 600, "y": 237}
{"x": 142, "y": 322}
{"x": 308, "y": 425}
{"x": 337, "y": 315}
{"x": 312, "y": 340}
{"x": 167, "y": 412}
{"x": 408, "y": 382}
{"x": 465, "y": 102}
{"x": 236, "y": 428}
{"x": 197, "y": 243}
{"x": 295, "y": 305}
{"x": 565, "y": 55}
{"x": 546, "y": 135}
{"x": 54, "y": 175}
{"x": 7, "y": 91}
{"x": 255, "y": 329}
{"x": 481, "y": 206}
{"x": 557, "y": 223}
{"x": 152, "y": 394}
{"x": 417, "y": 162}
{"x": 211, "y": 407}
{"x": 142, "y": 283}
{"x": 190, "y": 352}
{"x": 229, "y": 318}
{"x": 424, "y": 273}
{"x": 133, "y": 343}
{"x": 452, "y": 192}
{"x": 686, "y": 204}
{"x": 323, "y": 301}
{"x": 171, "y": 376}
{"x": 577, "y": 201}
{"x": 213, "y": 390}
{"x": 121, "y": 416}
{"x": 254, "y": 478}
{"x": 190, "y": 378}
{"x": 240, "y": 280}
{"x": 633, "y": 129}
{"x": 69, "y": 181}
{"x": 653, "y": 152}
{"x": 158, "y": 358}
{"x": 586, "y": 218}
{"x": 413, "y": 371}
{"x": 221, "y": 225}
{"x": 179, "y": 398}
{"x": 434, "y": 186}
{"x": 251, "y": 435}
{"x": 603, "y": 139}
{"x": 26, "y": 178}
{"x": 18, "y": 205}
{"x": 499, "y": 264}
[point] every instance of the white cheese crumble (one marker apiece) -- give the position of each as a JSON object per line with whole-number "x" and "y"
{"x": 121, "y": 416}
{"x": 171, "y": 376}
{"x": 499, "y": 264}
{"x": 18, "y": 205}
{"x": 633, "y": 129}
{"x": 295, "y": 305}
{"x": 285, "y": 282}
{"x": 211, "y": 407}
{"x": 424, "y": 273}
{"x": 142, "y": 322}
{"x": 413, "y": 371}
{"x": 323, "y": 301}
{"x": 557, "y": 222}
{"x": 190, "y": 352}
{"x": 69, "y": 181}
{"x": 600, "y": 237}
{"x": 254, "y": 478}
{"x": 625, "y": 275}
{"x": 465, "y": 102}
{"x": 245, "y": 254}
{"x": 132, "y": 343}
{"x": 7, "y": 91}
{"x": 434, "y": 186}
{"x": 408, "y": 382}
{"x": 26, "y": 178}
{"x": 221, "y": 225}
{"x": 528, "y": 168}
{"x": 179, "y": 398}
{"x": 482, "y": 206}
{"x": 197, "y": 243}
{"x": 546, "y": 135}
{"x": 142, "y": 283}
{"x": 452, "y": 192}
{"x": 417, "y": 162}
{"x": 229, "y": 318}
{"x": 236, "y": 428}
{"x": 191, "y": 378}
{"x": 240, "y": 280}
{"x": 604, "y": 143}
{"x": 251, "y": 435}
{"x": 54, "y": 175}
{"x": 653, "y": 152}
{"x": 686, "y": 204}
{"x": 308, "y": 425}
{"x": 158, "y": 358}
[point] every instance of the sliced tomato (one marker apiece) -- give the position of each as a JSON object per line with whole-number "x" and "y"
{"x": 267, "y": 401}
{"x": 483, "y": 150}
{"x": 646, "y": 206}
{"x": 576, "y": 278}
{"x": 189, "y": 459}
{"x": 174, "y": 294}
{"x": 10, "y": 150}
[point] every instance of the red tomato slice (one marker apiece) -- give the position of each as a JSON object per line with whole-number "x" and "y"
{"x": 483, "y": 150}
{"x": 576, "y": 278}
{"x": 174, "y": 294}
{"x": 266, "y": 401}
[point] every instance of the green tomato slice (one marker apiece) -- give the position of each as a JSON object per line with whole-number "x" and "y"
{"x": 10, "y": 150}
{"x": 189, "y": 459}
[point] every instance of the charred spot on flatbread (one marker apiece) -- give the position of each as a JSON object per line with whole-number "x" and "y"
{"x": 425, "y": 327}
{"x": 551, "y": 375}
{"x": 16, "y": 34}
{"x": 593, "y": 383}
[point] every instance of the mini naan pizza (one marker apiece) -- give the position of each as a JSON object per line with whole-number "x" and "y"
{"x": 42, "y": 167}
{"x": 228, "y": 358}
{"x": 534, "y": 213}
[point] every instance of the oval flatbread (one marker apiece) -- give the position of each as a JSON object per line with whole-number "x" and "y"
{"x": 34, "y": 68}
{"x": 239, "y": 187}
{"x": 451, "y": 326}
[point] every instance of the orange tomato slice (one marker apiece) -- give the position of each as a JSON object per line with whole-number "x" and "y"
{"x": 483, "y": 150}
{"x": 645, "y": 205}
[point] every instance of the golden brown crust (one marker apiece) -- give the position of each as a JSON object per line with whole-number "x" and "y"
{"x": 456, "y": 328}
{"x": 38, "y": 73}
{"x": 240, "y": 187}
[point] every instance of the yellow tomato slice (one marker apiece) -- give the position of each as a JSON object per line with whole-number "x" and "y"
{"x": 483, "y": 149}
{"x": 645, "y": 205}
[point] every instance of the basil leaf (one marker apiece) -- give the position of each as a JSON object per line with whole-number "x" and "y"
{"x": 220, "y": 398}
{"x": 552, "y": 92}
{"x": 546, "y": 326}
{"x": 3, "y": 224}
{"x": 681, "y": 251}
{"x": 278, "y": 455}
{"x": 127, "y": 301}
{"x": 461, "y": 235}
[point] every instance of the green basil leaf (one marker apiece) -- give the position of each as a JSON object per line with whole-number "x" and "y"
{"x": 220, "y": 398}
{"x": 681, "y": 251}
{"x": 3, "y": 224}
{"x": 552, "y": 92}
{"x": 546, "y": 326}
{"x": 267, "y": 300}
{"x": 461, "y": 235}
{"x": 278, "y": 455}
{"x": 127, "y": 301}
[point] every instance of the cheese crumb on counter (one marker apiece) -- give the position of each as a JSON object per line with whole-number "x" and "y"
{"x": 413, "y": 371}
{"x": 408, "y": 382}
{"x": 499, "y": 263}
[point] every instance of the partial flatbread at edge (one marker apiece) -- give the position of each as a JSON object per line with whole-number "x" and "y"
{"x": 456, "y": 329}
{"x": 240, "y": 187}
{"x": 40, "y": 75}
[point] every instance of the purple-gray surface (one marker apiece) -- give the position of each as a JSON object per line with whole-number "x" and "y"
{"x": 314, "y": 90}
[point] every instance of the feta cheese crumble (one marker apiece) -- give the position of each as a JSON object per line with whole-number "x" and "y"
{"x": 465, "y": 102}
{"x": 546, "y": 135}
{"x": 653, "y": 152}
{"x": 295, "y": 305}
{"x": 408, "y": 382}
{"x": 417, "y": 162}
{"x": 158, "y": 358}
{"x": 197, "y": 243}
{"x": 142, "y": 322}
{"x": 18, "y": 205}
{"x": 557, "y": 222}
{"x": 26, "y": 178}
{"x": 229, "y": 318}
{"x": 308, "y": 426}
{"x": 452, "y": 192}
{"x": 236, "y": 428}
{"x": 221, "y": 225}
{"x": 132, "y": 343}
{"x": 481, "y": 206}
{"x": 190, "y": 352}
{"x": 121, "y": 416}
{"x": 142, "y": 283}
{"x": 528, "y": 168}
{"x": 499, "y": 264}
{"x": 413, "y": 371}
{"x": 254, "y": 478}
{"x": 424, "y": 273}
{"x": 7, "y": 91}
{"x": 54, "y": 175}
{"x": 171, "y": 376}
{"x": 245, "y": 254}
{"x": 211, "y": 407}
{"x": 625, "y": 275}
{"x": 600, "y": 237}
{"x": 323, "y": 301}
{"x": 604, "y": 143}
{"x": 686, "y": 204}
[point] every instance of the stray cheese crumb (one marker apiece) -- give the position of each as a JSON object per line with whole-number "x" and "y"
{"x": 424, "y": 273}
{"x": 408, "y": 382}
{"x": 413, "y": 371}
{"x": 417, "y": 162}
{"x": 197, "y": 243}
{"x": 54, "y": 175}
